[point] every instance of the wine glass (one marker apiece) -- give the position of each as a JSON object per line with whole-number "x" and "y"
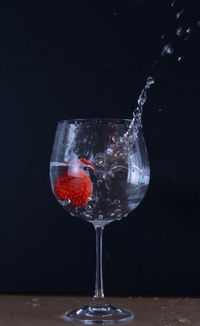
{"x": 99, "y": 171}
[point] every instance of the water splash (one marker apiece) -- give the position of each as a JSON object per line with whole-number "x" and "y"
{"x": 167, "y": 49}
{"x": 137, "y": 113}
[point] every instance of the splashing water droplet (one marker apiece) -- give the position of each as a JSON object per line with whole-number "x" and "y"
{"x": 137, "y": 113}
{"x": 167, "y": 49}
{"x": 179, "y": 13}
{"x": 179, "y": 31}
{"x": 188, "y": 33}
{"x": 150, "y": 81}
{"x": 173, "y": 2}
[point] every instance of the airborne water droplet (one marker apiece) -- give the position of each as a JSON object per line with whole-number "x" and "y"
{"x": 150, "y": 81}
{"x": 179, "y": 31}
{"x": 198, "y": 23}
{"x": 173, "y": 2}
{"x": 188, "y": 33}
{"x": 180, "y": 59}
{"x": 167, "y": 49}
{"x": 179, "y": 13}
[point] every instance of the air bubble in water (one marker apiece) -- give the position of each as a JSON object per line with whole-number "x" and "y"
{"x": 179, "y": 31}
{"x": 110, "y": 172}
{"x": 116, "y": 201}
{"x": 99, "y": 160}
{"x": 64, "y": 202}
{"x": 100, "y": 217}
{"x": 109, "y": 151}
{"x": 108, "y": 185}
{"x": 99, "y": 182}
{"x": 115, "y": 138}
{"x": 167, "y": 49}
{"x": 173, "y": 2}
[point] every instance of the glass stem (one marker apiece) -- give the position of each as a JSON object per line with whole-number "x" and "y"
{"x": 99, "y": 294}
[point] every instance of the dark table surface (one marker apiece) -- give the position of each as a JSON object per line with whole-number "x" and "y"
{"x": 28, "y": 310}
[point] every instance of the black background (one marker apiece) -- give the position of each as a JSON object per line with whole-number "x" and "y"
{"x": 87, "y": 59}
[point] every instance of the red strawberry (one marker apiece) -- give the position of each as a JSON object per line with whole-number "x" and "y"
{"x": 74, "y": 185}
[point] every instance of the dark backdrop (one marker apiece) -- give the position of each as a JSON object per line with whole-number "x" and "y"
{"x": 79, "y": 59}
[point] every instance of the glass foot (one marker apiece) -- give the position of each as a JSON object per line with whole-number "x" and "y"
{"x": 105, "y": 314}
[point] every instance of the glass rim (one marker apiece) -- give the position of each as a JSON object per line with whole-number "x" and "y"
{"x": 103, "y": 120}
